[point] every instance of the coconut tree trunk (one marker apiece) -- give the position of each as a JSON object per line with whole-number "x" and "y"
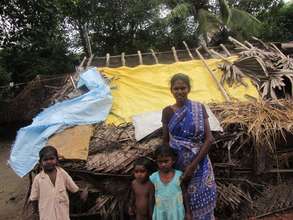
{"x": 196, "y": 6}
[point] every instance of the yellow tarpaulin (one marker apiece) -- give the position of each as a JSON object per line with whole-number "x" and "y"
{"x": 146, "y": 87}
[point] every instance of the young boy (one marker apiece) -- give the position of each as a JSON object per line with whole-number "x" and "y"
{"x": 142, "y": 191}
{"x": 49, "y": 190}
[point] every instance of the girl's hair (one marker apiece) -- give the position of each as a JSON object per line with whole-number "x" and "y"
{"x": 181, "y": 76}
{"x": 46, "y": 150}
{"x": 143, "y": 161}
{"x": 165, "y": 151}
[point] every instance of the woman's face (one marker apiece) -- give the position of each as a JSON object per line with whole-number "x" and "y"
{"x": 180, "y": 90}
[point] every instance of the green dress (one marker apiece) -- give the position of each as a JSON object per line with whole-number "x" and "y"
{"x": 169, "y": 199}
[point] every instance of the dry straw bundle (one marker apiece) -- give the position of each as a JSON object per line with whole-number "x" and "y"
{"x": 264, "y": 121}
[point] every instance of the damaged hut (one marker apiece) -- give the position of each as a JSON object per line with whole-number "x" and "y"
{"x": 252, "y": 154}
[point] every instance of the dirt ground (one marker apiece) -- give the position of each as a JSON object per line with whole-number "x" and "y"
{"x": 12, "y": 188}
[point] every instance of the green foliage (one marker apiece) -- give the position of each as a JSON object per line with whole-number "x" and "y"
{"x": 115, "y": 26}
{"x": 208, "y": 23}
{"x": 278, "y": 24}
{"x": 255, "y": 7}
{"x": 32, "y": 39}
{"x": 5, "y": 76}
{"x": 36, "y": 36}
{"x": 180, "y": 10}
{"x": 244, "y": 24}
{"x": 26, "y": 63}
{"x": 238, "y": 22}
{"x": 225, "y": 12}
{"x": 126, "y": 25}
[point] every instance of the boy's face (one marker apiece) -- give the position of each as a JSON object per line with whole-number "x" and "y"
{"x": 165, "y": 163}
{"x": 49, "y": 161}
{"x": 140, "y": 173}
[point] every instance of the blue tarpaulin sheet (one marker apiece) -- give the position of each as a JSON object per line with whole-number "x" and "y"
{"x": 91, "y": 107}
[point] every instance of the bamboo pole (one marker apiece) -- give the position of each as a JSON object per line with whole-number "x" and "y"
{"x": 175, "y": 54}
{"x": 148, "y": 53}
{"x": 225, "y": 49}
{"x": 220, "y": 87}
{"x": 72, "y": 81}
{"x": 89, "y": 62}
{"x": 140, "y": 57}
{"x": 107, "y": 60}
{"x": 207, "y": 50}
{"x": 123, "y": 59}
{"x": 220, "y": 56}
{"x": 80, "y": 67}
{"x": 135, "y": 54}
{"x": 154, "y": 56}
{"x": 233, "y": 40}
{"x": 187, "y": 48}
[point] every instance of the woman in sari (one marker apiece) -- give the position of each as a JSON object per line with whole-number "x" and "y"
{"x": 186, "y": 129}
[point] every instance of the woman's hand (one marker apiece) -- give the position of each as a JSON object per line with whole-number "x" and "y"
{"x": 188, "y": 172}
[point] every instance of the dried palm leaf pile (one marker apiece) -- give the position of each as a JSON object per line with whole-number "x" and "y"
{"x": 264, "y": 121}
{"x": 253, "y": 153}
{"x": 248, "y": 159}
{"x": 269, "y": 69}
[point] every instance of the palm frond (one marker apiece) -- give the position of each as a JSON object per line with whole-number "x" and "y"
{"x": 268, "y": 68}
{"x": 225, "y": 12}
{"x": 180, "y": 11}
{"x": 208, "y": 22}
{"x": 244, "y": 22}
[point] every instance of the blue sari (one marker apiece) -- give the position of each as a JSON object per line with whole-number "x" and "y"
{"x": 187, "y": 135}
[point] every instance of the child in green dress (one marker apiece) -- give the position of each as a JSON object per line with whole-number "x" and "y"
{"x": 170, "y": 199}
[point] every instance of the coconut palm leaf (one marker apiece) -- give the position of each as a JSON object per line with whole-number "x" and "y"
{"x": 238, "y": 21}
{"x": 244, "y": 22}
{"x": 208, "y": 22}
{"x": 181, "y": 10}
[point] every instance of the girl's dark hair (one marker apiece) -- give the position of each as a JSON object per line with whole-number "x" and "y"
{"x": 181, "y": 76}
{"x": 143, "y": 161}
{"x": 46, "y": 150}
{"x": 165, "y": 151}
